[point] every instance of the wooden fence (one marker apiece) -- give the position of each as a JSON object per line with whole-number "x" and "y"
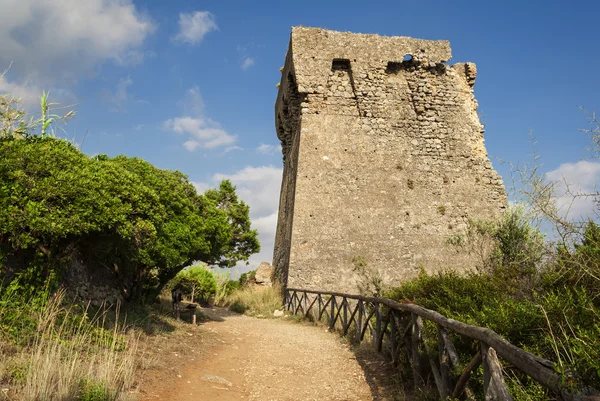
{"x": 382, "y": 318}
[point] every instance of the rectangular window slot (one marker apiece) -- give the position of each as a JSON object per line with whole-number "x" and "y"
{"x": 340, "y": 65}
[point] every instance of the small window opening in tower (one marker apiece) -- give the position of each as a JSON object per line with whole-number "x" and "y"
{"x": 393, "y": 67}
{"x": 339, "y": 64}
{"x": 408, "y": 58}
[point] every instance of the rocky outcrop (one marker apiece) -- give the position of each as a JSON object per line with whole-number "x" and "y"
{"x": 264, "y": 275}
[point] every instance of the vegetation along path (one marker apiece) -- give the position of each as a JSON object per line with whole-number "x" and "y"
{"x": 271, "y": 359}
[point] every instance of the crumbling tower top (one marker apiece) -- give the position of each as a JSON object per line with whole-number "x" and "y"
{"x": 313, "y": 49}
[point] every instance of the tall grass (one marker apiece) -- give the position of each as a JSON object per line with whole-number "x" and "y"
{"x": 255, "y": 300}
{"x": 73, "y": 357}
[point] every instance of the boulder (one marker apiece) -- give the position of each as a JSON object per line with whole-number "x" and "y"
{"x": 264, "y": 274}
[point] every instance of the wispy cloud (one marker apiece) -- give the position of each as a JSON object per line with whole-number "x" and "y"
{"x": 28, "y": 94}
{"x": 193, "y": 27}
{"x": 247, "y": 63}
{"x": 267, "y": 149}
{"x": 232, "y": 149}
{"x": 576, "y": 188}
{"x": 201, "y": 131}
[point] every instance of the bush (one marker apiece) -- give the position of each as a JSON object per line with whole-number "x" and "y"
{"x": 95, "y": 391}
{"x": 550, "y": 309}
{"x": 247, "y": 278}
{"x": 225, "y": 286}
{"x": 195, "y": 283}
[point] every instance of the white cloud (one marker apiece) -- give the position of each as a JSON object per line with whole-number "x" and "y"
{"x": 202, "y": 132}
{"x": 269, "y": 149}
{"x": 194, "y": 26}
{"x": 191, "y": 145}
{"x": 27, "y": 94}
{"x": 232, "y": 148}
{"x": 259, "y": 188}
{"x": 58, "y": 41}
{"x": 247, "y": 63}
{"x": 201, "y": 187}
{"x": 574, "y": 183}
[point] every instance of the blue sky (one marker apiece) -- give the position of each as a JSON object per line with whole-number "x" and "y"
{"x": 190, "y": 85}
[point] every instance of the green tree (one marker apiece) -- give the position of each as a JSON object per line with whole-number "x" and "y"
{"x": 196, "y": 282}
{"x": 141, "y": 223}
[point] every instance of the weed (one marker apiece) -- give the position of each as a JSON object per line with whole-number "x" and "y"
{"x": 69, "y": 355}
{"x": 255, "y": 300}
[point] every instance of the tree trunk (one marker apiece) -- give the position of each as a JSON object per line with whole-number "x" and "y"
{"x": 151, "y": 294}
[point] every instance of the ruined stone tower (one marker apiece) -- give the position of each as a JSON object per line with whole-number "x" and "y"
{"x": 384, "y": 159}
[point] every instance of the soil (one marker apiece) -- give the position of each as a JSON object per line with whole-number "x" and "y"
{"x": 236, "y": 357}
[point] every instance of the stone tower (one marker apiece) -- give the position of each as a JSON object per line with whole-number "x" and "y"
{"x": 384, "y": 159}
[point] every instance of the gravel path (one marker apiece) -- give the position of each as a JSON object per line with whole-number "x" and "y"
{"x": 264, "y": 359}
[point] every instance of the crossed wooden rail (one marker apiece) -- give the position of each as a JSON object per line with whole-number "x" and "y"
{"x": 383, "y": 319}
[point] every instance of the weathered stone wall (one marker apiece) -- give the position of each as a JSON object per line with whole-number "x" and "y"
{"x": 384, "y": 159}
{"x": 91, "y": 285}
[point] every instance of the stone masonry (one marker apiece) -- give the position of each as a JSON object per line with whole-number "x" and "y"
{"x": 384, "y": 159}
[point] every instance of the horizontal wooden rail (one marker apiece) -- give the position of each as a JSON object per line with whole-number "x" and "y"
{"x": 382, "y": 318}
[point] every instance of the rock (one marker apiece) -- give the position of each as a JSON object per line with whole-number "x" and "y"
{"x": 216, "y": 379}
{"x": 264, "y": 274}
{"x": 277, "y": 313}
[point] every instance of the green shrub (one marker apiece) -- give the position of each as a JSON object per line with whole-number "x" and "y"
{"x": 247, "y": 278}
{"x": 95, "y": 391}
{"x": 547, "y": 305}
{"x": 19, "y": 311}
{"x": 225, "y": 286}
{"x": 196, "y": 283}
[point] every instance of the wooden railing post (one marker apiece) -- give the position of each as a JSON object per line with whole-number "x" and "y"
{"x": 493, "y": 383}
{"x": 461, "y": 384}
{"x": 492, "y": 346}
{"x": 305, "y": 307}
{"x": 332, "y": 317}
{"x": 359, "y": 319}
{"x": 393, "y": 337}
{"x": 294, "y": 298}
{"x": 445, "y": 359}
{"x": 319, "y": 306}
{"x": 345, "y": 316}
{"x": 377, "y": 338}
{"x": 417, "y": 363}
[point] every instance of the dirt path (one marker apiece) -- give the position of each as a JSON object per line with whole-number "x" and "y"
{"x": 262, "y": 359}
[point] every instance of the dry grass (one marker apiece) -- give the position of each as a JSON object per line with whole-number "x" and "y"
{"x": 255, "y": 301}
{"x": 72, "y": 357}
